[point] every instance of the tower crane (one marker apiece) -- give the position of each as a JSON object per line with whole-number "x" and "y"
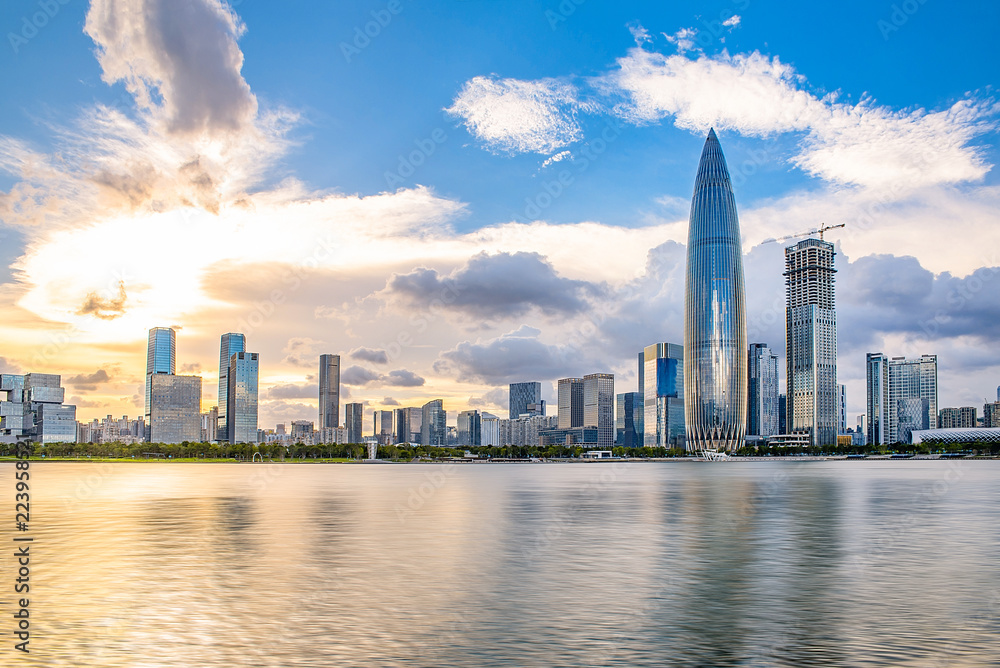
{"x": 819, "y": 230}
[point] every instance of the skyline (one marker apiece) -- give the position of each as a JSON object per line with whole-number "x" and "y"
{"x": 600, "y": 267}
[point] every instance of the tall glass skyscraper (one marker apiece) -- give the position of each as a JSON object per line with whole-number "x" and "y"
{"x": 811, "y": 341}
{"x": 232, "y": 343}
{"x": 525, "y": 398}
{"x": 628, "y": 420}
{"x": 599, "y": 407}
{"x": 663, "y": 395}
{"x": 877, "y": 372}
{"x": 762, "y": 391}
{"x": 570, "y": 403}
{"x": 354, "y": 416}
{"x": 715, "y": 331}
{"x": 434, "y": 426}
{"x": 329, "y": 391}
{"x": 242, "y": 416}
{"x": 161, "y": 358}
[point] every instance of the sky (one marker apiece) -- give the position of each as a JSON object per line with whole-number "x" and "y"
{"x": 458, "y": 195}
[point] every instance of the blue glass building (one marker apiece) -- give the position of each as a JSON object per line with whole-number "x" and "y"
{"x": 663, "y": 395}
{"x": 161, "y": 358}
{"x": 242, "y": 417}
{"x": 715, "y": 332}
{"x": 232, "y": 343}
{"x": 628, "y": 420}
{"x": 525, "y": 398}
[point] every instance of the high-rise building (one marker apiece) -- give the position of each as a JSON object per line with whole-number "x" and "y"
{"x": 242, "y": 405}
{"x": 715, "y": 332}
{"x": 663, "y": 395}
{"x": 414, "y": 424}
{"x": 354, "y": 416}
{"x": 811, "y": 341}
{"x": 842, "y": 403}
{"x": 491, "y": 430}
{"x": 991, "y": 414}
{"x": 628, "y": 413}
{"x": 210, "y": 425}
{"x": 384, "y": 427}
{"x": 161, "y": 358}
{"x": 782, "y": 412}
{"x": 231, "y": 344}
{"x": 902, "y": 397}
{"x": 599, "y": 407}
{"x": 175, "y": 408}
{"x": 525, "y": 399}
{"x": 762, "y": 391}
{"x": 32, "y": 408}
{"x": 957, "y": 418}
{"x": 570, "y": 402}
{"x": 434, "y": 424}
{"x": 329, "y": 391}
{"x": 967, "y": 416}
{"x": 641, "y": 389}
{"x": 877, "y": 405}
{"x": 470, "y": 428}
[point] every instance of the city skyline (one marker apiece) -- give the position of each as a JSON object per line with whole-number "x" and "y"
{"x": 397, "y": 256}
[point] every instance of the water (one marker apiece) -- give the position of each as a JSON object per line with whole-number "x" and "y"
{"x": 642, "y": 564}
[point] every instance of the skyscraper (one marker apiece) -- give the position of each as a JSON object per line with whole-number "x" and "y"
{"x": 161, "y": 357}
{"x": 329, "y": 391}
{"x": 599, "y": 407}
{"x": 570, "y": 402}
{"x": 663, "y": 395}
{"x": 811, "y": 341}
{"x": 434, "y": 426}
{"x": 354, "y": 417}
{"x": 877, "y": 402}
{"x": 232, "y": 343}
{"x": 715, "y": 332}
{"x": 762, "y": 391}
{"x": 628, "y": 413}
{"x": 175, "y": 408}
{"x": 470, "y": 428}
{"x": 242, "y": 405}
{"x": 384, "y": 426}
{"x": 913, "y": 396}
{"x": 842, "y": 403}
{"x": 525, "y": 399}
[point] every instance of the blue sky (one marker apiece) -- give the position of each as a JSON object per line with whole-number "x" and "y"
{"x": 825, "y": 114}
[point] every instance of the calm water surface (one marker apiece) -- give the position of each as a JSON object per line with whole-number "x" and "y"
{"x": 642, "y": 564}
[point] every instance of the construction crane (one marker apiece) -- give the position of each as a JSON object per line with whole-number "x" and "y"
{"x": 819, "y": 231}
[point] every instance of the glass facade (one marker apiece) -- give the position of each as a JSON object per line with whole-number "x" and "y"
{"x": 877, "y": 372}
{"x": 762, "y": 391}
{"x": 175, "y": 414}
{"x": 470, "y": 428}
{"x": 232, "y": 343}
{"x": 628, "y": 420}
{"x": 599, "y": 406}
{"x": 525, "y": 398}
{"x": 715, "y": 332}
{"x": 354, "y": 416}
{"x": 434, "y": 425}
{"x": 161, "y": 357}
{"x": 243, "y": 372}
{"x": 570, "y": 403}
{"x": 329, "y": 391}
{"x": 663, "y": 395}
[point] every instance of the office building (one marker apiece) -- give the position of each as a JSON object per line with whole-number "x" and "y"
{"x": 842, "y": 403}
{"x": 470, "y": 428}
{"x": 991, "y": 414}
{"x": 329, "y": 391}
{"x": 384, "y": 427}
{"x": 762, "y": 391}
{"x": 877, "y": 404}
{"x": 957, "y": 418}
{"x": 210, "y": 424}
{"x": 161, "y": 358}
{"x": 231, "y": 344}
{"x": 782, "y": 412}
{"x": 715, "y": 333}
{"x": 524, "y": 431}
{"x": 663, "y": 395}
{"x": 811, "y": 341}
{"x": 409, "y": 424}
{"x": 490, "y": 430}
{"x": 242, "y": 405}
{"x": 434, "y": 424}
{"x": 525, "y": 399}
{"x": 354, "y": 416}
{"x": 599, "y": 407}
{"x": 175, "y": 408}
{"x": 32, "y": 409}
{"x": 629, "y": 411}
{"x": 570, "y": 411}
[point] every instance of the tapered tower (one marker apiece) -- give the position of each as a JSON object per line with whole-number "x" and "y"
{"x": 715, "y": 332}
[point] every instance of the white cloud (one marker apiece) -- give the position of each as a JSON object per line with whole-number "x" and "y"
{"x": 510, "y": 115}
{"x": 683, "y": 39}
{"x": 732, "y": 22}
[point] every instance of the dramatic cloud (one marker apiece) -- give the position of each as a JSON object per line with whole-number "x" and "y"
{"x": 498, "y": 398}
{"x": 402, "y": 378}
{"x": 104, "y": 308}
{"x": 191, "y": 367}
{"x": 293, "y": 391}
{"x": 389, "y": 401}
{"x": 303, "y": 351}
{"x": 358, "y": 375}
{"x": 99, "y": 376}
{"x": 7, "y": 366}
{"x": 369, "y": 355}
{"x": 503, "y": 285}
{"x": 508, "y": 358}
{"x": 515, "y": 116}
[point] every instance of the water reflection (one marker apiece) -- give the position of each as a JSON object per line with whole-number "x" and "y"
{"x": 778, "y": 564}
